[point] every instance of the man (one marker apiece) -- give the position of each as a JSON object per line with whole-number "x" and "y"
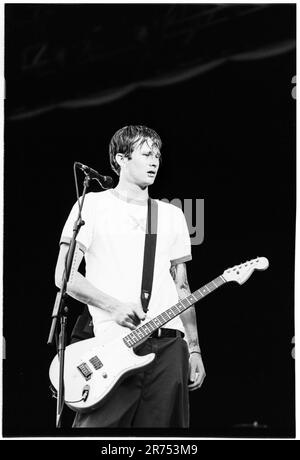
{"x": 112, "y": 242}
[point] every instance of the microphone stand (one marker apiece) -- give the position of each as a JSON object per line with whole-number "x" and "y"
{"x": 60, "y": 309}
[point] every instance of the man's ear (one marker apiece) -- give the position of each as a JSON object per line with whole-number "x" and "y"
{"x": 119, "y": 158}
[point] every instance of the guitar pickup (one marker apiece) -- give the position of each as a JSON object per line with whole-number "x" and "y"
{"x": 85, "y": 371}
{"x": 95, "y": 361}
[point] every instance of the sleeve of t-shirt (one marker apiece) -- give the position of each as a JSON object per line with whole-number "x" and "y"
{"x": 181, "y": 247}
{"x": 84, "y": 237}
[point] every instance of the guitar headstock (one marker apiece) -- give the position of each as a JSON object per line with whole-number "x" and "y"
{"x": 240, "y": 273}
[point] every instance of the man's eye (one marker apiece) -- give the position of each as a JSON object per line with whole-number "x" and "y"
{"x": 158, "y": 155}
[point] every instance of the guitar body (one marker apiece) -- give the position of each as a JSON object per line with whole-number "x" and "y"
{"x": 94, "y": 370}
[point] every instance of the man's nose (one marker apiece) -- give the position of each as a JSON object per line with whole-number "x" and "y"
{"x": 154, "y": 162}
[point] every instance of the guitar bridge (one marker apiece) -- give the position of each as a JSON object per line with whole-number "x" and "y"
{"x": 85, "y": 371}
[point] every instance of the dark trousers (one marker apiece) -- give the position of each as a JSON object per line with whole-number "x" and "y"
{"x": 156, "y": 398}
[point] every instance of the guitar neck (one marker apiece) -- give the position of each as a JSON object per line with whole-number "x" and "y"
{"x": 140, "y": 334}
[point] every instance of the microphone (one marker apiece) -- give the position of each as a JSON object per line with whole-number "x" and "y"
{"x": 104, "y": 181}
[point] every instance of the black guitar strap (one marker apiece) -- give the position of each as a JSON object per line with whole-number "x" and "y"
{"x": 149, "y": 253}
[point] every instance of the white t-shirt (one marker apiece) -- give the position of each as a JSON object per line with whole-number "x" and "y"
{"x": 113, "y": 240}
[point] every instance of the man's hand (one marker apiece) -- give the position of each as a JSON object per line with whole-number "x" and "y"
{"x": 128, "y": 314}
{"x": 197, "y": 371}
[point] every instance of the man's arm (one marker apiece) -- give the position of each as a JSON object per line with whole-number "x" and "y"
{"x": 188, "y": 317}
{"x": 78, "y": 287}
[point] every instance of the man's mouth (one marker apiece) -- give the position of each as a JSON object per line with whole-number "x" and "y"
{"x": 151, "y": 173}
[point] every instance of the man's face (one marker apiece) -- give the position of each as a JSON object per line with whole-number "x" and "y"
{"x": 142, "y": 168}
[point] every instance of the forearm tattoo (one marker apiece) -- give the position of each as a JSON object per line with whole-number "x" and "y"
{"x": 179, "y": 275}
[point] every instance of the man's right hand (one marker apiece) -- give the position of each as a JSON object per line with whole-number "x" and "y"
{"x": 128, "y": 314}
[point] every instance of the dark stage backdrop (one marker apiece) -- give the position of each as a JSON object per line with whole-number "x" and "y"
{"x": 228, "y": 138}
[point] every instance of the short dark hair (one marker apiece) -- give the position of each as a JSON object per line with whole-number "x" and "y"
{"x": 124, "y": 140}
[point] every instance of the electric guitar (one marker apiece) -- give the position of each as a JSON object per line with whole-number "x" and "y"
{"x": 94, "y": 367}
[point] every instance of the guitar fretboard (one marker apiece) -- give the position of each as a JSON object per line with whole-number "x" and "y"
{"x": 137, "y": 336}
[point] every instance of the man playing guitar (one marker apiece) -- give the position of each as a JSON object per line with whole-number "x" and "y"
{"x": 112, "y": 243}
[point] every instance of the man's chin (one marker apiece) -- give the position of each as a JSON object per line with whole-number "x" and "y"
{"x": 147, "y": 182}
{"x": 150, "y": 180}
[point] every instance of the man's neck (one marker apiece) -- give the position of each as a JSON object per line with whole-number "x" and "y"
{"x": 132, "y": 191}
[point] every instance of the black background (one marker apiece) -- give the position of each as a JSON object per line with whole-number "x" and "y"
{"x": 229, "y": 138}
